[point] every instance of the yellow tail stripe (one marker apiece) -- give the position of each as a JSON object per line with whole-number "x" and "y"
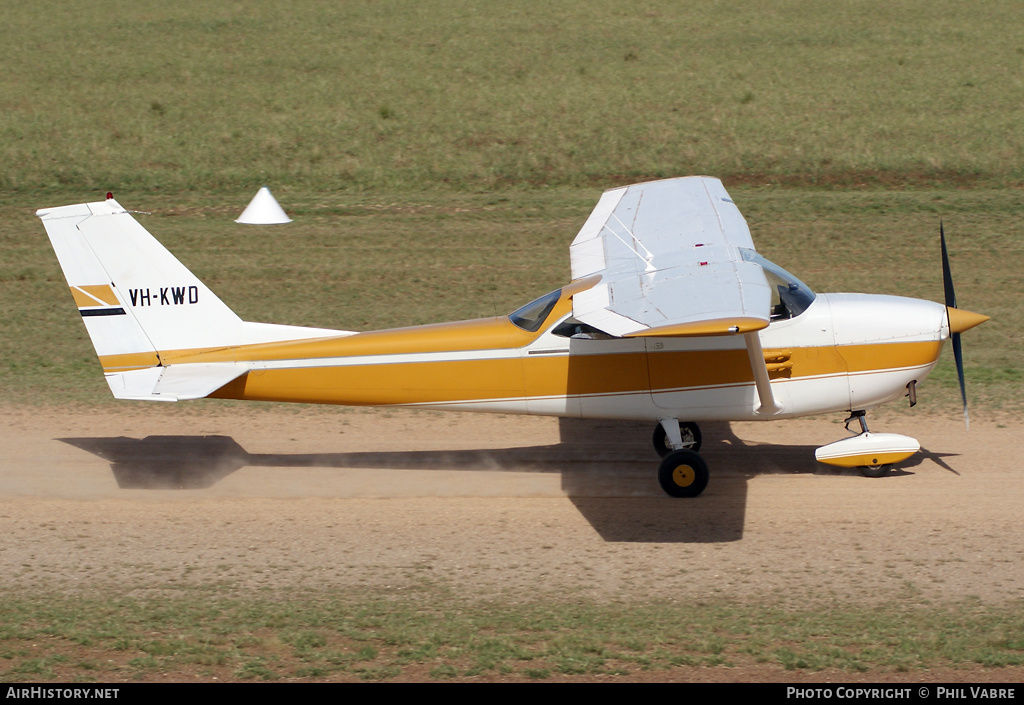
{"x": 94, "y": 295}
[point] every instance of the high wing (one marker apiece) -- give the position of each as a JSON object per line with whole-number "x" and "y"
{"x": 670, "y": 258}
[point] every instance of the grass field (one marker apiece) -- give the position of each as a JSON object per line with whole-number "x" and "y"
{"x": 205, "y": 634}
{"x": 468, "y": 95}
{"x": 438, "y": 158}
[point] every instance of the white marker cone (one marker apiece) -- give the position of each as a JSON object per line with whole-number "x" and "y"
{"x": 263, "y": 209}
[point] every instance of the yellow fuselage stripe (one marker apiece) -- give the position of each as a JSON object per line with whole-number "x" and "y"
{"x": 517, "y": 377}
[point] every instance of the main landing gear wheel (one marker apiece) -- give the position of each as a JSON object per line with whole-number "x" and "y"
{"x": 687, "y": 429}
{"x": 683, "y": 473}
{"x": 875, "y": 470}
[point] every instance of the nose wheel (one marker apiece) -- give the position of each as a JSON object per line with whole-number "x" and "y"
{"x": 875, "y": 470}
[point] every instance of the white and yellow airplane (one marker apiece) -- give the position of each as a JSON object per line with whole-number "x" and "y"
{"x": 671, "y": 316}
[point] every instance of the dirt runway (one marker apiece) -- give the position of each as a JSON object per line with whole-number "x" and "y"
{"x": 147, "y": 496}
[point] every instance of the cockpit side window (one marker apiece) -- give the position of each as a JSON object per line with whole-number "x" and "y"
{"x": 790, "y": 296}
{"x": 532, "y": 316}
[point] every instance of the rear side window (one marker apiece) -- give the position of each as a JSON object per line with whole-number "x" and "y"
{"x": 532, "y": 316}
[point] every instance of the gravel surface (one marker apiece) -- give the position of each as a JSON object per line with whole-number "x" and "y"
{"x": 278, "y": 497}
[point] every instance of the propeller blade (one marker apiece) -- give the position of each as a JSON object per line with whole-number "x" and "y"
{"x": 958, "y": 356}
{"x": 950, "y": 295}
{"x": 947, "y": 276}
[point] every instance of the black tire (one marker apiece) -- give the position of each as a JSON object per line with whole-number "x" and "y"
{"x": 875, "y": 470}
{"x": 687, "y": 429}
{"x": 683, "y": 473}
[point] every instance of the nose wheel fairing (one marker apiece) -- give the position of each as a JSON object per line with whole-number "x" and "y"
{"x": 873, "y": 453}
{"x": 868, "y": 449}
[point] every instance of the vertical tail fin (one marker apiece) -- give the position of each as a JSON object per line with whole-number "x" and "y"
{"x": 134, "y": 295}
{"x": 140, "y": 303}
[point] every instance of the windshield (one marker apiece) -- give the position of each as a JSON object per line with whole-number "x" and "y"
{"x": 531, "y": 316}
{"x": 790, "y": 296}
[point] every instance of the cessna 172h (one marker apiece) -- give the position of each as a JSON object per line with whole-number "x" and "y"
{"x": 671, "y": 316}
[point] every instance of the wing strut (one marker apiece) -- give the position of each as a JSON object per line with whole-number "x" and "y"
{"x": 757, "y": 365}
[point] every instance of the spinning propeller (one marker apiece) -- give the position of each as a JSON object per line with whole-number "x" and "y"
{"x": 958, "y": 321}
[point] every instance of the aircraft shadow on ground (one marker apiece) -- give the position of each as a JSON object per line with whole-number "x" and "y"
{"x": 608, "y": 471}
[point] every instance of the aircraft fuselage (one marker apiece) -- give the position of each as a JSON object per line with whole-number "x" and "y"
{"x": 846, "y": 351}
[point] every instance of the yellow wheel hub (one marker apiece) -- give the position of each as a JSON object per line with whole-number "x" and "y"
{"x": 683, "y": 475}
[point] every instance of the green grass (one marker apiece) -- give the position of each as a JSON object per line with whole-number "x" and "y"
{"x": 204, "y": 634}
{"x": 469, "y": 95}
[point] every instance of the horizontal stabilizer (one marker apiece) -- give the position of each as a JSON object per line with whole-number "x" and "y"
{"x": 174, "y": 382}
